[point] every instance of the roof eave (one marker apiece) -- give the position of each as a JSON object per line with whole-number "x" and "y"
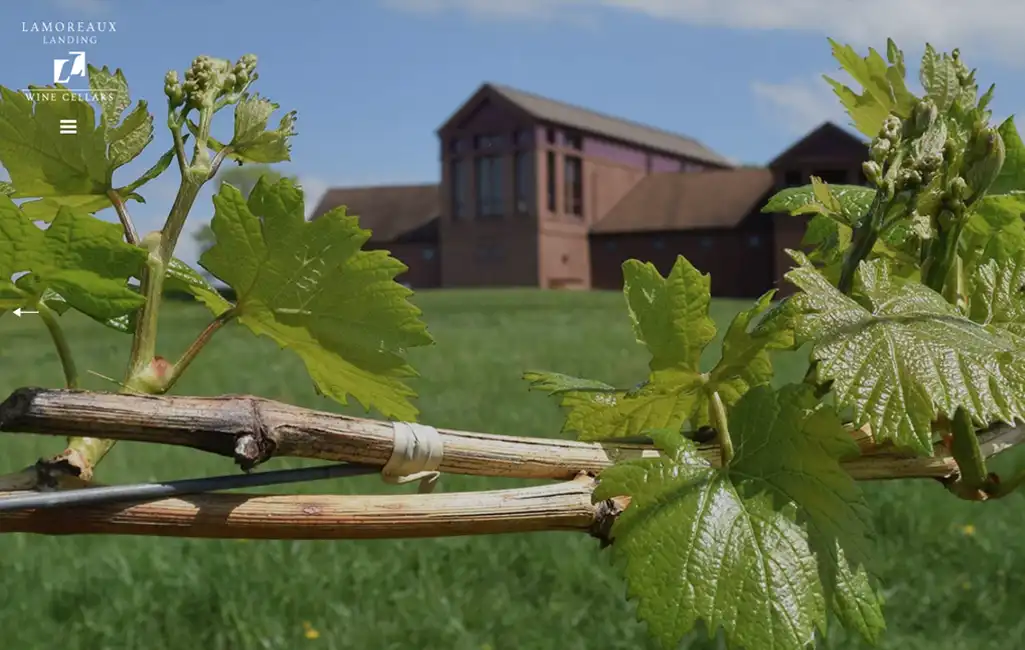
{"x": 486, "y": 90}
{"x": 825, "y": 125}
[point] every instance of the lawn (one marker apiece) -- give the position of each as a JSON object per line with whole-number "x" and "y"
{"x": 954, "y": 572}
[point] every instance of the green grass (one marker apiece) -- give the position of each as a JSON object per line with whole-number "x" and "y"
{"x": 947, "y": 590}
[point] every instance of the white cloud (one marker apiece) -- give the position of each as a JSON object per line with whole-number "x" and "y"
{"x": 800, "y": 104}
{"x": 522, "y": 9}
{"x": 990, "y": 27}
{"x": 92, "y": 7}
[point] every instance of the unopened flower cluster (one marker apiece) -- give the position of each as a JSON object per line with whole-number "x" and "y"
{"x": 209, "y": 79}
{"x": 941, "y": 157}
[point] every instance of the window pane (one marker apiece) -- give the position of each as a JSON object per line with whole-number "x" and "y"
{"x": 524, "y": 181}
{"x": 487, "y": 142}
{"x": 573, "y": 185}
{"x": 550, "y": 171}
{"x": 489, "y": 186}
{"x": 457, "y": 145}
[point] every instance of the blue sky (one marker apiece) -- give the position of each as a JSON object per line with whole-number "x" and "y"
{"x": 373, "y": 79}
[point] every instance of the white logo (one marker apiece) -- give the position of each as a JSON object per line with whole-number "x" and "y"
{"x": 77, "y": 68}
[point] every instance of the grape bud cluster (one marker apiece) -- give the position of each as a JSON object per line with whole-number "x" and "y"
{"x": 209, "y": 79}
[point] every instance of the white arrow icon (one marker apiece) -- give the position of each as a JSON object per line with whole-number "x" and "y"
{"x": 19, "y": 311}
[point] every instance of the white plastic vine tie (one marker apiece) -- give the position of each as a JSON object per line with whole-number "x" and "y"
{"x": 416, "y": 456}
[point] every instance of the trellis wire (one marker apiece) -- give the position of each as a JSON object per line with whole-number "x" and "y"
{"x": 146, "y": 491}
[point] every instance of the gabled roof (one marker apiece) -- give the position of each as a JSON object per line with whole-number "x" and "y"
{"x": 549, "y": 110}
{"x": 389, "y": 211}
{"x": 670, "y": 201}
{"x": 825, "y": 137}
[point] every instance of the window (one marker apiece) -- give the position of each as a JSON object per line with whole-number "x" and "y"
{"x": 428, "y": 254}
{"x": 459, "y": 186}
{"x": 573, "y": 182}
{"x": 574, "y": 141}
{"x": 489, "y": 186}
{"x": 610, "y": 245}
{"x": 706, "y": 242}
{"x": 862, "y": 179}
{"x": 754, "y": 241}
{"x": 658, "y": 244}
{"x": 524, "y": 181}
{"x": 832, "y": 176}
{"x": 550, "y": 171}
{"x": 550, "y": 135}
{"x": 792, "y": 179}
{"x": 456, "y": 145}
{"x": 487, "y": 142}
{"x": 523, "y": 138}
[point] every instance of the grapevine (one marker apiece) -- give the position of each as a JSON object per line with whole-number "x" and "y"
{"x": 910, "y": 303}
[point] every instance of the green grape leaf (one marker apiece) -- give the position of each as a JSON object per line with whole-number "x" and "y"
{"x": 896, "y": 59}
{"x": 252, "y": 141}
{"x": 670, "y": 317}
{"x": 185, "y": 279}
{"x": 30, "y": 285}
{"x": 1012, "y": 175}
{"x": 786, "y": 441}
{"x": 310, "y": 287}
{"x": 744, "y": 363}
{"x": 111, "y": 91}
{"x": 33, "y": 287}
{"x": 158, "y": 168}
{"x": 780, "y": 436}
{"x": 694, "y": 547}
{"x": 829, "y": 231}
{"x": 996, "y": 295}
{"x": 825, "y": 239}
{"x": 585, "y": 401}
{"x": 995, "y": 230}
{"x": 905, "y": 357}
{"x": 126, "y": 135}
{"x": 855, "y": 601}
{"x": 40, "y": 161}
{"x": 128, "y": 139}
{"x": 724, "y": 546}
{"x": 70, "y": 171}
{"x": 46, "y": 208}
{"x": 555, "y": 383}
{"x": 845, "y": 204}
{"x": 884, "y": 88}
{"x": 82, "y": 259}
{"x": 939, "y": 78}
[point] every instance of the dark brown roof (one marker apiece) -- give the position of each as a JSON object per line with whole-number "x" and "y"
{"x": 389, "y": 211}
{"x": 826, "y": 139}
{"x": 688, "y": 200}
{"x": 550, "y": 110}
